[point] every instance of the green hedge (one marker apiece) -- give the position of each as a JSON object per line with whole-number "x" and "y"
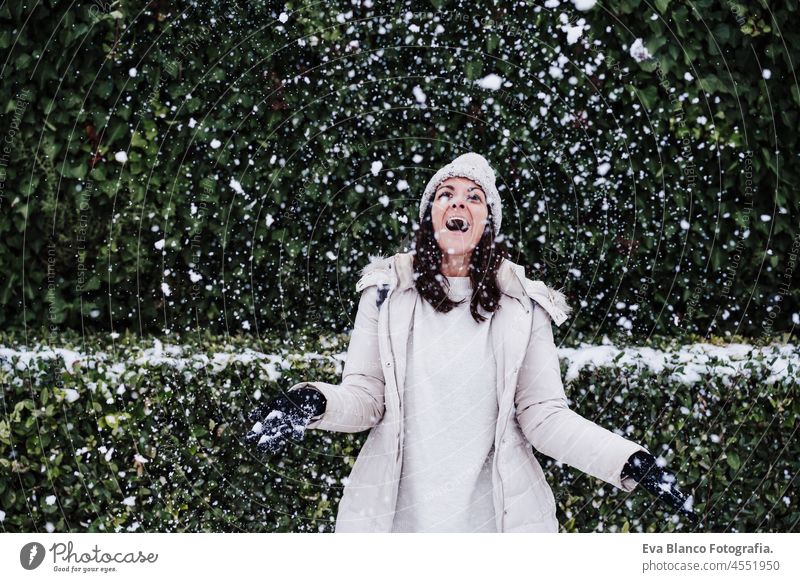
{"x": 147, "y": 436}
{"x": 272, "y": 146}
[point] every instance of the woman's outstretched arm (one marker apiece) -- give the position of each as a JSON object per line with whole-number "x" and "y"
{"x": 357, "y": 404}
{"x": 552, "y": 427}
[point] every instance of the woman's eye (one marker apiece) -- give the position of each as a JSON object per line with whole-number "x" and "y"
{"x": 476, "y": 197}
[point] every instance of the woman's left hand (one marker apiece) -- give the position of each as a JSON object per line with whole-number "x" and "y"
{"x": 643, "y": 468}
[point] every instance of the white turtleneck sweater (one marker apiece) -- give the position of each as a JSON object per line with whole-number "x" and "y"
{"x": 450, "y": 408}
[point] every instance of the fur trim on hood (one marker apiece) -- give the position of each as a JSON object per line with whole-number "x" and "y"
{"x": 379, "y": 272}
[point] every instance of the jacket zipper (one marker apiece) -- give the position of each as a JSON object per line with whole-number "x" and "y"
{"x": 503, "y": 432}
{"x": 387, "y": 301}
{"x": 394, "y": 374}
{"x": 391, "y": 349}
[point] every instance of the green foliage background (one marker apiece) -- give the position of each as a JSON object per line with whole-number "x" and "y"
{"x": 302, "y": 110}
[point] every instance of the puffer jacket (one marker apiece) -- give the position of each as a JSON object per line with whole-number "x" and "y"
{"x": 532, "y": 405}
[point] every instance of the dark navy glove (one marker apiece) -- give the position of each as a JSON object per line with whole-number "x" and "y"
{"x": 643, "y": 468}
{"x": 284, "y": 417}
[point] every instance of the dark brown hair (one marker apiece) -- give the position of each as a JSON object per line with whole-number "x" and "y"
{"x": 485, "y": 261}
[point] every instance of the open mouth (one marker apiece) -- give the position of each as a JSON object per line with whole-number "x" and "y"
{"x": 457, "y": 224}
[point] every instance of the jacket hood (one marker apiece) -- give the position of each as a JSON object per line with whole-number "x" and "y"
{"x": 397, "y": 271}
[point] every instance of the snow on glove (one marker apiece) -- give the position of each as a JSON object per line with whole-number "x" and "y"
{"x": 643, "y": 468}
{"x": 284, "y": 417}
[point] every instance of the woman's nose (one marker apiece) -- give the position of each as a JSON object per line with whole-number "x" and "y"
{"x": 455, "y": 203}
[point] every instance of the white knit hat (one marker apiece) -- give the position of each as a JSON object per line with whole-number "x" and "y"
{"x": 476, "y": 168}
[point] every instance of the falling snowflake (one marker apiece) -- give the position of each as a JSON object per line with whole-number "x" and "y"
{"x": 237, "y": 187}
{"x": 491, "y": 82}
{"x": 639, "y": 52}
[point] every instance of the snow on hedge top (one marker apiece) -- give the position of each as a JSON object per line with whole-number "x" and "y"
{"x": 688, "y": 363}
{"x": 132, "y": 359}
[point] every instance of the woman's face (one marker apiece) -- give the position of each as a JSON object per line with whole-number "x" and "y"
{"x": 453, "y": 199}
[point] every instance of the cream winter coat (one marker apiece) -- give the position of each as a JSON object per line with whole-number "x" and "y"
{"x": 532, "y": 404}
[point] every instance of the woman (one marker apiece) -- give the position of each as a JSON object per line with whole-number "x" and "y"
{"x": 453, "y": 368}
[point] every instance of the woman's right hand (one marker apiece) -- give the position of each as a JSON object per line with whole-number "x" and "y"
{"x": 284, "y": 416}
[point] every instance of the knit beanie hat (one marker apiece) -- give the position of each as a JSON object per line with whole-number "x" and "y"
{"x": 476, "y": 168}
